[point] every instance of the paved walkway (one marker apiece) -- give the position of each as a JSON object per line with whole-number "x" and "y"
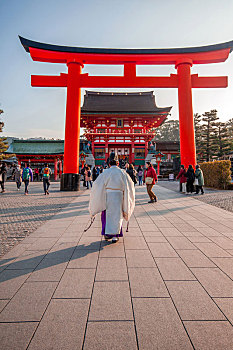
{"x": 167, "y": 285}
{"x": 21, "y": 215}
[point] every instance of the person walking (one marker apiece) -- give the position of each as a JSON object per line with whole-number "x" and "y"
{"x": 18, "y": 176}
{"x": 190, "y": 179}
{"x": 132, "y": 173}
{"x": 27, "y": 175}
{"x": 140, "y": 175}
{"x": 94, "y": 173}
{"x": 88, "y": 177}
{"x": 3, "y": 176}
{"x": 36, "y": 174}
{"x": 46, "y": 171}
{"x": 200, "y": 179}
{"x": 183, "y": 179}
{"x": 150, "y": 177}
{"x": 112, "y": 195}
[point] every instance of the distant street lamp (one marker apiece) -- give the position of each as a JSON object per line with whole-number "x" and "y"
{"x": 158, "y": 156}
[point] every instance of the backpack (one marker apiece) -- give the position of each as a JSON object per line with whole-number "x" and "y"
{"x": 26, "y": 174}
{"x": 46, "y": 172}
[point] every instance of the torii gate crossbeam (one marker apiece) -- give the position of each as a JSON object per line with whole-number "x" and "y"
{"x": 75, "y": 58}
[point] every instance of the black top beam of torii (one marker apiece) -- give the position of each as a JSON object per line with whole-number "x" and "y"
{"x": 71, "y": 49}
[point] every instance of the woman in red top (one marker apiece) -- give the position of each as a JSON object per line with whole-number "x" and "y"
{"x": 150, "y": 177}
{"x": 183, "y": 178}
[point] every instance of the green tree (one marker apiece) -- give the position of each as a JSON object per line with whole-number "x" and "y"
{"x": 198, "y": 135}
{"x": 223, "y": 139}
{"x": 3, "y": 144}
{"x": 168, "y": 131}
{"x": 209, "y": 138}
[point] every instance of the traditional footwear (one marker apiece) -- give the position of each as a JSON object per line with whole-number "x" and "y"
{"x": 115, "y": 239}
{"x": 107, "y": 237}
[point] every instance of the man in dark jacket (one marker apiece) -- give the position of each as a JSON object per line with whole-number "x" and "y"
{"x": 190, "y": 179}
{"x": 3, "y": 171}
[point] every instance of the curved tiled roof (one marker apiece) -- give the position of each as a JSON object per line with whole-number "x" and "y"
{"x": 121, "y": 102}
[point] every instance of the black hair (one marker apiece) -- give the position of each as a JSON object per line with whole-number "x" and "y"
{"x": 46, "y": 164}
{"x": 182, "y": 166}
{"x": 113, "y": 162}
{"x": 149, "y": 163}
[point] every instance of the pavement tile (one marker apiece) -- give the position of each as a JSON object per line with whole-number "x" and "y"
{"x": 174, "y": 269}
{"x": 181, "y": 243}
{"x": 198, "y": 239}
{"x": 82, "y": 259}
{"x": 3, "y": 304}
{"x": 110, "y": 250}
{"x": 195, "y": 258}
{"x": 225, "y": 264}
{"x": 133, "y": 232}
{"x": 62, "y": 326}
{"x": 16, "y": 336}
{"x": 192, "y": 301}
{"x": 48, "y": 271}
{"x": 164, "y": 224}
{"x": 214, "y": 281}
{"x": 153, "y": 234}
{"x": 212, "y": 250}
{"x": 111, "y": 269}
{"x": 76, "y": 283}
{"x": 210, "y": 335}
{"x": 28, "y": 260}
{"x": 117, "y": 336}
{"x": 230, "y": 251}
{"x": 11, "y": 281}
{"x": 148, "y": 227}
{"x": 147, "y": 282}
{"x": 209, "y": 231}
{"x": 158, "y": 325}
{"x": 111, "y": 301}
{"x": 223, "y": 242}
{"x": 170, "y": 231}
{"x": 139, "y": 258}
{"x": 226, "y": 305}
{"x": 190, "y": 234}
{"x": 162, "y": 250}
{"x": 155, "y": 239}
{"x": 43, "y": 244}
{"x": 135, "y": 243}
{"x": 29, "y": 303}
{"x": 89, "y": 243}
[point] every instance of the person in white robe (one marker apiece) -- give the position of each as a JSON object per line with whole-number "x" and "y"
{"x": 113, "y": 195}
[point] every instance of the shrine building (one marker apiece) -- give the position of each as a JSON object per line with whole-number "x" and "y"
{"x": 121, "y": 122}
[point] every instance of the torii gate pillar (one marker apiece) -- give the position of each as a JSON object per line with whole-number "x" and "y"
{"x": 70, "y": 176}
{"x": 187, "y": 134}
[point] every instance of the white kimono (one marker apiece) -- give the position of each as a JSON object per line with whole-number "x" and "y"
{"x": 113, "y": 191}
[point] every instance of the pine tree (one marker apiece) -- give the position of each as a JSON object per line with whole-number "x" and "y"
{"x": 229, "y": 125}
{"x": 198, "y": 135}
{"x": 3, "y": 144}
{"x": 168, "y": 131}
{"x": 209, "y": 143}
{"x": 223, "y": 139}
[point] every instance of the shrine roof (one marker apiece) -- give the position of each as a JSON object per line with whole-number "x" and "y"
{"x": 45, "y": 147}
{"x": 121, "y": 102}
{"x": 27, "y": 44}
{"x": 167, "y": 145}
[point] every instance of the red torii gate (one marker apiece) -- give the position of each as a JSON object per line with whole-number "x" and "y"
{"x": 75, "y": 58}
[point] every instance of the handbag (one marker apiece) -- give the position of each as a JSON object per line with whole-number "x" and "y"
{"x": 149, "y": 180}
{"x": 196, "y": 182}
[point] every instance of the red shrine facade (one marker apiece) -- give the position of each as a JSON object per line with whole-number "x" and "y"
{"x": 121, "y": 122}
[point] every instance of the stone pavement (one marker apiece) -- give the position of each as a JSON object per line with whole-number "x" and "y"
{"x": 21, "y": 215}
{"x": 219, "y": 198}
{"x": 166, "y": 285}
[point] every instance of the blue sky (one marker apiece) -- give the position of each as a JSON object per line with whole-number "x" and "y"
{"x": 33, "y": 112}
